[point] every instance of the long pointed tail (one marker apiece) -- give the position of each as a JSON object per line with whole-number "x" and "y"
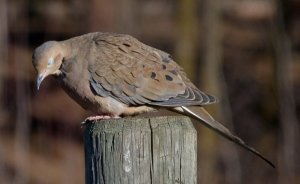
{"x": 209, "y": 122}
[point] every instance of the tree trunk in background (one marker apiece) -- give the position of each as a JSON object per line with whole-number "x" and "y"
{"x": 185, "y": 48}
{"x": 102, "y": 18}
{"x": 127, "y": 17}
{"x": 3, "y": 61}
{"x": 209, "y": 71}
{"x": 22, "y": 129}
{"x": 289, "y": 128}
{"x": 214, "y": 83}
{"x": 3, "y": 54}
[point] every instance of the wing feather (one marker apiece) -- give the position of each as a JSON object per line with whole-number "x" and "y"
{"x": 136, "y": 74}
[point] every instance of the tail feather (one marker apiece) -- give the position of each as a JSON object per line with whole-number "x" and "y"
{"x": 209, "y": 122}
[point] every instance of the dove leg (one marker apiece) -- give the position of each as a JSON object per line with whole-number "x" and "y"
{"x": 131, "y": 111}
{"x": 93, "y": 118}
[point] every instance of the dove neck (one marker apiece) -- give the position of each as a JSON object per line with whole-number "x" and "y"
{"x": 66, "y": 50}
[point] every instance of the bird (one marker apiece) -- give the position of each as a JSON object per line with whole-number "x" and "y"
{"x": 115, "y": 75}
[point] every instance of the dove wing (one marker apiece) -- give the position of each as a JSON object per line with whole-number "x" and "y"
{"x": 136, "y": 74}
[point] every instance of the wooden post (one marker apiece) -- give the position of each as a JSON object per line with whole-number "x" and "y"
{"x": 160, "y": 150}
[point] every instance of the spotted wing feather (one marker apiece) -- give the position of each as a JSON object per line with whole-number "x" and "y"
{"x": 136, "y": 74}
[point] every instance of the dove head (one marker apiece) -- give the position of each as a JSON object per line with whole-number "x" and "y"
{"x": 47, "y": 60}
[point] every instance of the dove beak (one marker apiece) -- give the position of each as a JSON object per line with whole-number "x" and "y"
{"x": 40, "y": 79}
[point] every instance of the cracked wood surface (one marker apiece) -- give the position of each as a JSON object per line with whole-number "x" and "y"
{"x": 141, "y": 151}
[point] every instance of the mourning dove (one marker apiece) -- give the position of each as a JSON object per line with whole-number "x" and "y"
{"x": 115, "y": 75}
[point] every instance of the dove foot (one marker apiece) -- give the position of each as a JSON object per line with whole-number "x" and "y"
{"x": 93, "y": 118}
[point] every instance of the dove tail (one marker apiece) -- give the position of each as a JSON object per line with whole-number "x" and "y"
{"x": 209, "y": 122}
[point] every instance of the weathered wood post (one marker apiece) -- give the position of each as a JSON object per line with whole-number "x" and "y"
{"x": 158, "y": 150}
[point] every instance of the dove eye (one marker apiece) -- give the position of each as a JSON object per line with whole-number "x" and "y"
{"x": 50, "y": 62}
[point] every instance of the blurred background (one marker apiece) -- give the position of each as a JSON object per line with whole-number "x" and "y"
{"x": 246, "y": 52}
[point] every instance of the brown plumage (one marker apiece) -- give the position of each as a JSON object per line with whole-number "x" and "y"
{"x": 116, "y": 75}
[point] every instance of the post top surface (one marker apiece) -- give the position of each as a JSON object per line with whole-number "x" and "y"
{"x": 131, "y": 123}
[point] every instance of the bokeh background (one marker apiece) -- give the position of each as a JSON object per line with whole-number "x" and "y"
{"x": 246, "y": 52}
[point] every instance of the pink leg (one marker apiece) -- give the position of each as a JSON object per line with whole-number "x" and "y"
{"x": 93, "y": 118}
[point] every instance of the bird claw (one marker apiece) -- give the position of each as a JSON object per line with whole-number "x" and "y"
{"x": 93, "y": 118}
